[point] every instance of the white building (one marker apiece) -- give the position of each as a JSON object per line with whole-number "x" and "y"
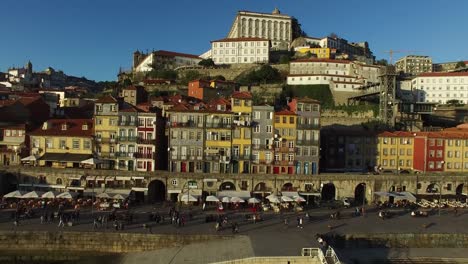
{"x": 414, "y": 64}
{"x": 276, "y": 27}
{"x": 166, "y": 59}
{"x": 323, "y": 71}
{"x": 440, "y": 87}
{"x": 240, "y": 50}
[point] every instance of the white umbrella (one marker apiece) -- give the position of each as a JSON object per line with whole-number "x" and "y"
{"x": 33, "y": 194}
{"x": 253, "y": 200}
{"x": 271, "y": 196}
{"x": 14, "y": 194}
{"x": 91, "y": 161}
{"x": 286, "y": 199}
{"x": 67, "y": 195}
{"x": 212, "y": 198}
{"x": 120, "y": 196}
{"x": 299, "y": 199}
{"x": 237, "y": 200}
{"x": 226, "y": 200}
{"x": 188, "y": 198}
{"x": 103, "y": 195}
{"x": 274, "y": 200}
{"x": 29, "y": 158}
{"x": 50, "y": 195}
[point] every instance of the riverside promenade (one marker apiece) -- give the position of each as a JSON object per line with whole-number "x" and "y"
{"x": 269, "y": 237}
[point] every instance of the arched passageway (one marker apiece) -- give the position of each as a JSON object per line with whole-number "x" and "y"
{"x": 156, "y": 191}
{"x": 360, "y": 194}
{"x": 328, "y": 192}
{"x": 227, "y": 186}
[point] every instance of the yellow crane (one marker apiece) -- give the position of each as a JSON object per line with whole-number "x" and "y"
{"x": 391, "y": 52}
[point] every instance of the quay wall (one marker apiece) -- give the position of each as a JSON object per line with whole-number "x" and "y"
{"x": 412, "y": 240}
{"x": 95, "y": 242}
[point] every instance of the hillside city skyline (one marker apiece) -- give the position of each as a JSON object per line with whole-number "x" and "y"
{"x": 82, "y": 48}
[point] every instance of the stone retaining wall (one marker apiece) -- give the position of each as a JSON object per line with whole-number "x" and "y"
{"x": 95, "y": 241}
{"x": 402, "y": 241}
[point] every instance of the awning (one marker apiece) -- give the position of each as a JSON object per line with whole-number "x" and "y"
{"x": 120, "y": 178}
{"x": 65, "y": 157}
{"x": 91, "y": 161}
{"x": 240, "y": 194}
{"x": 310, "y": 194}
{"x": 174, "y": 191}
{"x": 397, "y": 195}
{"x": 139, "y": 189}
{"x": 290, "y": 194}
{"x": 29, "y": 158}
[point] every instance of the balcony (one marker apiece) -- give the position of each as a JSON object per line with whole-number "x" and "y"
{"x": 242, "y": 123}
{"x": 144, "y": 155}
{"x": 308, "y": 126}
{"x": 307, "y": 142}
{"x": 122, "y": 154}
{"x": 107, "y": 154}
{"x": 127, "y": 139}
{"x": 219, "y": 125}
{"x": 146, "y": 141}
{"x": 127, "y": 123}
{"x": 183, "y": 124}
{"x": 212, "y": 157}
{"x": 260, "y": 147}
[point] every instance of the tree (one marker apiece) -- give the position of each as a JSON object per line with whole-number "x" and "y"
{"x": 454, "y": 102}
{"x": 218, "y": 78}
{"x": 192, "y": 75}
{"x": 460, "y": 64}
{"x": 382, "y": 62}
{"x": 207, "y": 63}
{"x": 284, "y": 59}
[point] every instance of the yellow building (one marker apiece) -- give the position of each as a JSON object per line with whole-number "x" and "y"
{"x": 395, "y": 151}
{"x": 218, "y": 136}
{"x": 321, "y": 53}
{"x": 241, "y": 107}
{"x": 455, "y": 153}
{"x": 106, "y": 130}
{"x": 284, "y": 142}
{"x": 63, "y": 143}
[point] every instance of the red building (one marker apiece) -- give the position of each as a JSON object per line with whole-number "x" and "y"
{"x": 209, "y": 90}
{"x": 429, "y": 148}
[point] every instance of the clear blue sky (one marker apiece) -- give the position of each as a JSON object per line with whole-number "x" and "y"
{"x": 93, "y": 38}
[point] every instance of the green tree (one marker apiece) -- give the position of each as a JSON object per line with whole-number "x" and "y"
{"x": 284, "y": 59}
{"x": 207, "y": 63}
{"x": 219, "y": 78}
{"x": 460, "y": 64}
{"x": 191, "y": 75}
{"x": 382, "y": 62}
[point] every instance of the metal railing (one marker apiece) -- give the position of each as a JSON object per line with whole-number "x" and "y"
{"x": 330, "y": 254}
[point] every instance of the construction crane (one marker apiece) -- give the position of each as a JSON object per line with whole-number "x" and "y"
{"x": 390, "y": 52}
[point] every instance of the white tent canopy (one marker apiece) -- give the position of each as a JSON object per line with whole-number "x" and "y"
{"x": 286, "y": 199}
{"x": 67, "y": 195}
{"x": 226, "y": 200}
{"x": 120, "y": 196}
{"x": 14, "y": 194}
{"x": 33, "y": 194}
{"x": 187, "y": 198}
{"x": 212, "y": 198}
{"x": 237, "y": 200}
{"x": 253, "y": 200}
{"x": 397, "y": 195}
{"x": 91, "y": 161}
{"x": 50, "y": 195}
{"x": 103, "y": 195}
{"x": 299, "y": 199}
{"x": 29, "y": 158}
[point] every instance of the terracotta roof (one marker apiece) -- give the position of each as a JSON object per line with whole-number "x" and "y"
{"x": 106, "y": 100}
{"x": 321, "y": 60}
{"x": 285, "y": 112}
{"x": 307, "y": 100}
{"x": 241, "y": 95}
{"x": 74, "y": 128}
{"x": 443, "y": 74}
{"x": 347, "y": 82}
{"x": 126, "y": 107}
{"x": 175, "y": 54}
{"x": 131, "y": 87}
{"x": 239, "y": 39}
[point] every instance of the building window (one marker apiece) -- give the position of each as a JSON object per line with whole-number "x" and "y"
{"x": 87, "y": 144}
{"x": 76, "y": 144}
{"x": 256, "y": 129}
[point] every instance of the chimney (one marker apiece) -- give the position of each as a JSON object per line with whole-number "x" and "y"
{"x": 45, "y": 125}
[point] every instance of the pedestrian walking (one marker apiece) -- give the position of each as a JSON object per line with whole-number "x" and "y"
{"x": 61, "y": 223}
{"x": 204, "y": 206}
{"x": 42, "y": 219}
{"x": 455, "y": 211}
{"x": 286, "y": 222}
{"x": 95, "y": 223}
{"x": 298, "y": 221}
{"x": 301, "y": 222}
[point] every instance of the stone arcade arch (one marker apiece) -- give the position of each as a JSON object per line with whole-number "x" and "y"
{"x": 227, "y": 186}
{"x": 459, "y": 190}
{"x": 328, "y": 191}
{"x": 287, "y": 187}
{"x": 360, "y": 193}
{"x": 156, "y": 191}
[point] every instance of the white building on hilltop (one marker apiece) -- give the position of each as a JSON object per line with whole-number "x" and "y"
{"x": 240, "y": 50}
{"x": 440, "y": 87}
{"x": 276, "y": 27}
